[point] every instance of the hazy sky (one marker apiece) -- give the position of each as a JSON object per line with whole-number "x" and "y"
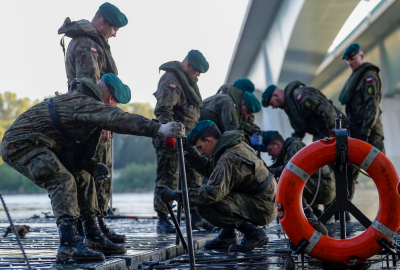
{"x": 32, "y": 62}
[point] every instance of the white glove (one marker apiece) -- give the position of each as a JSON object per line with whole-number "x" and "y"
{"x": 172, "y": 130}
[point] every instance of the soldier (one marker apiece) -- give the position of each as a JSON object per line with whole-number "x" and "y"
{"x": 55, "y": 140}
{"x": 362, "y": 94}
{"x": 248, "y": 125}
{"x": 309, "y": 111}
{"x": 240, "y": 193}
{"x": 89, "y": 55}
{"x": 178, "y": 98}
{"x": 228, "y": 110}
{"x": 282, "y": 151}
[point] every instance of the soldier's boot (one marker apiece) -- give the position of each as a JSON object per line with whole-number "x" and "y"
{"x": 96, "y": 240}
{"x": 316, "y": 210}
{"x": 71, "y": 247}
{"x": 198, "y": 222}
{"x": 163, "y": 224}
{"x": 110, "y": 234}
{"x": 79, "y": 227}
{"x": 223, "y": 240}
{"x": 253, "y": 237}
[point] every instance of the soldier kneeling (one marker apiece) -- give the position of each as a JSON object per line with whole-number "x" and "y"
{"x": 240, "y": 193}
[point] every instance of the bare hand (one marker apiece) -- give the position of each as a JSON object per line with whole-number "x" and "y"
{"x": 105, "y": 136}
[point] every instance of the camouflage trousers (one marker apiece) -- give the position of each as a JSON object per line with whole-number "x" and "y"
{"x": 327, "y": 189}
{"x": 376, "y": 141}
{"x": 168, "y": 175}
{"x": 71, "y": 195}
{"x": 235, "y": 208}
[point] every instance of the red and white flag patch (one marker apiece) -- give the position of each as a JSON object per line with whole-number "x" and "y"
{"x": 172, "y": 86}
{"x": 93, "y": 50}
{"x": 234, "y": 105}
{"x": 299, "y": 97}
{"x": 369, "y": 79}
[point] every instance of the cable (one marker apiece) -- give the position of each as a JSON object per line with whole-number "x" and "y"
{"x": 15, "y": 232}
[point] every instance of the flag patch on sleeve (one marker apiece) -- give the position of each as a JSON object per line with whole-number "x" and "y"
{"x": 299, "y": 97}
{"x": 369, "y": 79}
{"x": 93, "y": 50}
{"x": 172, "y": 86}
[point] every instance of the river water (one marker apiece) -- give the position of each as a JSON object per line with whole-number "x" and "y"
{"x": 25, "y": 206}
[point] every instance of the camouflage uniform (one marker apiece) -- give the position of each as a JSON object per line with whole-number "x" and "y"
{"x": 327, "y": 190}
{"x": 364, "y": 113}
{"x": 234, "y": 172}
{"x": 89, "y": 55}
{"x": 224, "y": 110}
{"x": 248, "y": 125}
{"x": 37, "y": 149}
{"x": 309, "y": 111}
{"x": 173, "y": 104}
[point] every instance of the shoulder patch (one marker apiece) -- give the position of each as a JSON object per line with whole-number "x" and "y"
{"x": 370, "y": 90}
{"x": 307, "y": 103}
{"x": 172, "y": 86}
{"x": 299, "y": 97}
{"x": 369, "y": 79}
{"x": 93, "y": 50}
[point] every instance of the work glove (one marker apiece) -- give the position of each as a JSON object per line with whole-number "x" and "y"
{"x": 256, "y": 139}
{"x": 363, "y": 138}
{"x": 172, "y": 130}
{"x": 100, "y": 172}
{"x": 165, "y": 194}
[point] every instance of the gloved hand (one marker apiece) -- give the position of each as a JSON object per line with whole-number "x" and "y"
{"x": 170, "y": 142}
{"x": 100, "y": 172}
{"x": 172, "y": 130}
{"x": 187, "y": 147}
{"x": 256, "y": 139}
{"x": 165, "y": 194}
{"x": 363, "y": 138}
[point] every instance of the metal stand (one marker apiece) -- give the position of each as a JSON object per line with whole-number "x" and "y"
{"x": 178, "y": 215}
{"x": 342, "y": 204}
{"x": 185, "y": 197}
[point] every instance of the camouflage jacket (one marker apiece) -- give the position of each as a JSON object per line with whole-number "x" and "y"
{"x": 309, "y": 111}
{"x": 291, "y": 146}
{"x": 235, "y": 167}
{"x": 88, "y": 54}
{"x": 248, "y": 124}
{"x": 81, "y": 113}
{"x": 172, "y": 102}
{"x": 224, "y": 110}
{"x": 363, "y": 107}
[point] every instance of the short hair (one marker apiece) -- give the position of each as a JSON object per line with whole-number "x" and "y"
{"x": 211, "y": 131}
{"x": 277, "y": 138}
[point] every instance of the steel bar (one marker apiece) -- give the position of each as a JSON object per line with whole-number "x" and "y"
{"x": 178, "y": 228}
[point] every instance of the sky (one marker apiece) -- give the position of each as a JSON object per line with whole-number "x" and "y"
{"x": 158, "y": 31}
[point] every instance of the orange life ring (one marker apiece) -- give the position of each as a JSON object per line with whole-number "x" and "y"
{"x": 340, "y": 251}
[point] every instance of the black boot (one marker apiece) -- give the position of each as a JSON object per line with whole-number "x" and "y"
{"x": 316, "y": 210}
{"x": 199, "y": 222}
{"x": 223, "y": 240}
{"x": 71, "y": 247}
{"x": 110, "y": 234}
{"x": 96, "y": 240}
{"x": 253, "y": 237}
{"x": 163, "y": 224}
{"x": 79, "y": 227}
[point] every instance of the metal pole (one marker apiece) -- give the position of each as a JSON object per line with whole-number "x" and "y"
{"x": 177, "y": 226}
{"x": 112, "y": 169}
{"x": 185, "y": 197}
{"x": 178, "y": 215}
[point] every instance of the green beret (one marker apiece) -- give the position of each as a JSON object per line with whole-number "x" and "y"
{"x": 251, "y": 102}
{"x": 266, "y": 96}
{"x": 119, "y": 90}
{"x": 198, "y": 61}
{"x": 352, "y": 50}
{"x": 245, "y": 85}
{"x": 112, "y": 14}
{"x": 267, "y": 136}
{"x": 198, "y": 129}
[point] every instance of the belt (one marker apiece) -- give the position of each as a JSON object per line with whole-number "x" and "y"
{"x": 263, "y": 186}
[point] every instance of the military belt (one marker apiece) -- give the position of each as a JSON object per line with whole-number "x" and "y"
{"x": 263, "y": 186}
{"x": 71, "y": 142}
